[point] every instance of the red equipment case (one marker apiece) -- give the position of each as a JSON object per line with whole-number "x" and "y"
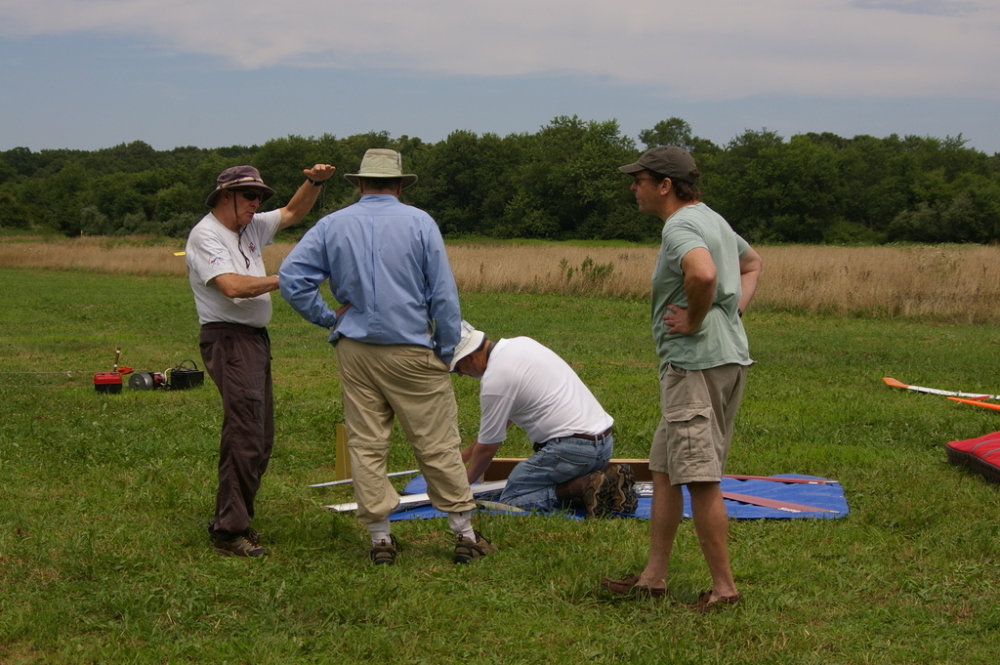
{"x": 108, "y": 382}
{"x": 981, "y": 454}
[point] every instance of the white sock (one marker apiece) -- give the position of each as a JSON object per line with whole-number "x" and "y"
{"x": 379, "y": 531}
{"x": 461, "y": 525}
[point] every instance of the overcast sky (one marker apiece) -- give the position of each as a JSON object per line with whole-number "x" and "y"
{"x": 89, "y": 74}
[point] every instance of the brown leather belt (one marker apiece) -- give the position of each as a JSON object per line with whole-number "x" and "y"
{"x": 585, "y": 437}
{"x": 591, "y": 437}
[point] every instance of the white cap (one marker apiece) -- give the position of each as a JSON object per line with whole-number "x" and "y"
{"x": 471, "y": 340}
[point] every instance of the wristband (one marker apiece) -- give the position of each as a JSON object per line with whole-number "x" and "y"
{"x": 315, "y": 183}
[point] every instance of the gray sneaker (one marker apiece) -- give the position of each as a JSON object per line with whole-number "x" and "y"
{"x": 384, "y": 554}
{"x": 466, "y": 550}
{"x": 245, "y": 543}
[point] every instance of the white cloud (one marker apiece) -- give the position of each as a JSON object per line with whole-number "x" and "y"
{"x": 715, "y": 49}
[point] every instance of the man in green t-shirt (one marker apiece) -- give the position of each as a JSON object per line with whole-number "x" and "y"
{"x": 705, "y": 277}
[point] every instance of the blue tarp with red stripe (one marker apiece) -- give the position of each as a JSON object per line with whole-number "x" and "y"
{"x": 825, "y": 493}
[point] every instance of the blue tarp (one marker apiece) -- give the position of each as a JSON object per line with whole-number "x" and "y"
{"x": 829, "y": 495}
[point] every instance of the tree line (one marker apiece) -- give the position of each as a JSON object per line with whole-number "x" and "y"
{"x": 561, "y": 182}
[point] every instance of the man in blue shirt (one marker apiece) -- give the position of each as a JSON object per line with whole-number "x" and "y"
{"x": 395, "y": 334}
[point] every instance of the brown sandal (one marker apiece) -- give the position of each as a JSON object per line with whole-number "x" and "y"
{"x": 627, "y": 587}
{"x": 706, "y": 604}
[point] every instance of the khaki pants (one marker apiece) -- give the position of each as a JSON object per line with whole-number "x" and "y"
{"x": 699, "y": 409}
{"x": 412, "y": 384}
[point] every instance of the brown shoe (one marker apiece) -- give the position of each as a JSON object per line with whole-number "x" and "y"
{"x": 599, "y": 495}
{"x": 466, "y": 550}
{"x": 245, "y": 543}
{"x": 625, "y": 501}
{"x": 627, "y": 586}
{"x": 706, "y": 604}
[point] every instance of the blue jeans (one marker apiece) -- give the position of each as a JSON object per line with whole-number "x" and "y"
{"x": 532, "y": 483}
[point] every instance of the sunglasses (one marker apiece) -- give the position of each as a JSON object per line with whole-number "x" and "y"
{"x": 251, "y": 194}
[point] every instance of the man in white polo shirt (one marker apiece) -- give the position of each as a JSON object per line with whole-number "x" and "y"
{"x": 232, "y": 296}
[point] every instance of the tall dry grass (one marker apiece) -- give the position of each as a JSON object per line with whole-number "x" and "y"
{"x": 953, "y": 283}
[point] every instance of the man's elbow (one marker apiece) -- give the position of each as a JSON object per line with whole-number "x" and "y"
{"x": 483, "y": 453}
{"x": 755, "y": 264}
{"x": 226, "y": 287}
{"x": 292, "y": 214}
{"x": 703, "y": 278}
{"x": 286, "y": 286}
{"x": 751, "y": 262}
{"x": 295, "y": 291}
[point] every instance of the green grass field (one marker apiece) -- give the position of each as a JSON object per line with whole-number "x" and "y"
{"x": 104, "y": 500}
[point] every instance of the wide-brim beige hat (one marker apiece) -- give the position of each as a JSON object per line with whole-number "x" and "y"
{"x": 471, "y": 340}
{"x": 381, "y": 163}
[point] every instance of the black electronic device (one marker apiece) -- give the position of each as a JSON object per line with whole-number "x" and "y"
{"x": 185, "y": 375}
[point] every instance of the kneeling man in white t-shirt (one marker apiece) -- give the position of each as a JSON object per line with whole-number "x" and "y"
{"x": 525, "y": 383}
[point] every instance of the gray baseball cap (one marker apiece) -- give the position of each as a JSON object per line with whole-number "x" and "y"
{"x": 668, "y": 160}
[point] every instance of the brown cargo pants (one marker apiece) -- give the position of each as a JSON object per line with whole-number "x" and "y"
{"x": 238, "y": 358}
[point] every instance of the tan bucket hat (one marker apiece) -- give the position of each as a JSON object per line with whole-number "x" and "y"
{"x": 381, "y": 163}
